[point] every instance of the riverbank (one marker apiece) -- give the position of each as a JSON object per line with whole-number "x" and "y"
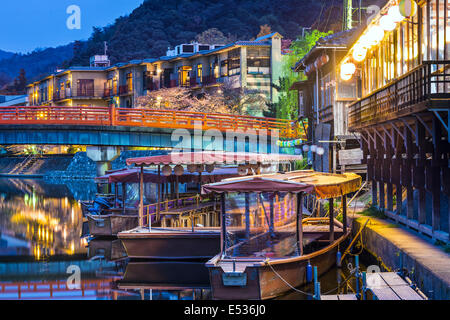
{"x": 427, "y": 264}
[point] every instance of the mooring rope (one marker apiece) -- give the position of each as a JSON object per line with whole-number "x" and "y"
{"x": 307, "y": 293}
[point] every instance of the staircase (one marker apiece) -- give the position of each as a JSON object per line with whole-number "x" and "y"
{"x": 25, "y": 165}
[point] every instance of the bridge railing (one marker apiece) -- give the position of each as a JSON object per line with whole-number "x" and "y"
{"x": 110, "y": 116}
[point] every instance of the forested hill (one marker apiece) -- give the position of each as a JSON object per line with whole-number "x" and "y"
{"x": 158, "y": 24}
{"x": 5, "y": 54}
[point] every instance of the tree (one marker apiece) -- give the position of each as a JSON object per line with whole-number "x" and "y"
{"x": 287, "y": 105}
{"x": 212, "y": 36}
{"x": 264, "y": 30}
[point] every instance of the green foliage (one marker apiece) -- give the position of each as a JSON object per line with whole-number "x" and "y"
{"x": 373, "y": 211}
{"x": 443, "y": 245}
{"x": 288, "y": 102}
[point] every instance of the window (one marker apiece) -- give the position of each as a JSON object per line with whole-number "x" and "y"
{"x": 85, "y": 87}
{"x": 258, "y": 60}
{"x": 234, "y": 62}
{"x": 130, "y": 82}
{"x": 200, "y": 72}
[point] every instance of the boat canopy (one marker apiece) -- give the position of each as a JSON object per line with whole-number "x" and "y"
{"x": 213, "y": 157}
{"x": 132, "y": 176}
{"x": 324, "y": 185}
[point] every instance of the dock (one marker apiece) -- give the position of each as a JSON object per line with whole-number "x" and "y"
{"x": 339, "y": 297}
{"x": 390, "y": 286}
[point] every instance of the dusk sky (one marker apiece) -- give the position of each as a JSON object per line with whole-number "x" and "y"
{"x": 28, "y": 24}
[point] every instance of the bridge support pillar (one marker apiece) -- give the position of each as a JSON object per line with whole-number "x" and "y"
{"x": 102, "y": 156}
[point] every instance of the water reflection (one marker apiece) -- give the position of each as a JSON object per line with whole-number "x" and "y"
{"x": 39, "y": 219}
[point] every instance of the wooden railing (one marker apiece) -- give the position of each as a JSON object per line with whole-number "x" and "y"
{"x": 110, "y": 116}
{"x": 407, "y": 95}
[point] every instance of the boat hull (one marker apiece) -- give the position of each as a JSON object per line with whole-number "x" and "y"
{"x": 111, "y": 250}
{"x": 165, "y": 275}
{"x": 261, "y": 280}
{"x": 171, "y": 245}
{"x": 110, "y": 225}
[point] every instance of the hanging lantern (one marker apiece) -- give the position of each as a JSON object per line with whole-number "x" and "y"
{"x": 191, "y": 168}
{"x": 394, "y": 13}
{"x": 347, "y": 70}
{"x": 200, "y": 168}
{"x": 242, "y": 170}
{"x": 359, "y": 53}
{"x": 167, "y": 170}
{"x": 305, "y": 148}
{"x": 178, "y": 170}
{"x": 407, "y": 8}
{"x": 387, "y": 23}
{"x": 375, "y": 35}
{"x": 209, "y": 168}
{"x": 313, "y": 148}
{"x": 320, "y": 151}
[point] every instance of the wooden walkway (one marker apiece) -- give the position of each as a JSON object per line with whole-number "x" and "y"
{"x": 339, "y": 297}
{"x": 390, "y": 286}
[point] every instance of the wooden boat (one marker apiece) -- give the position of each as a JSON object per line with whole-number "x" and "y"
{"x": 148, "y": 242}
{"x": 111, "y": 250}
{"x": 274, "y": 256}
{"x": 110, "y": 225}
{"x": 171, "y": 243}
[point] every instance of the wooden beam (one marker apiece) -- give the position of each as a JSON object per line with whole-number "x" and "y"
{"x": 344, "y": 212}
{"x": 331, "y": 218}
{"x": 300, "y": 222}
{"x": 141, "y": 197}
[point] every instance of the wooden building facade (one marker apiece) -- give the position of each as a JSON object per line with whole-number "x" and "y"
{"x": 401, "y": 60}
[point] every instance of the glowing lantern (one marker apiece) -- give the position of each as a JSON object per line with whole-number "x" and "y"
{"x": 347, "y": 70}
{"x": 320, "y": 151}
{"x": 305, "y": 148}
{"x": 394, "y": 13}
{"x": 359, "y": 53}
{"x": 167, "y": 170}
{"x": 387, "y": 23}
{"x": 178, "y": 170}
{"x": 313, "y": 148}
{"x": 375, "y": 35}
{"x": 408, "y": 8}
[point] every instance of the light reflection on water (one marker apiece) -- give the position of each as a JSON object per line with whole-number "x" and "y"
{"x": 40, "y": 228}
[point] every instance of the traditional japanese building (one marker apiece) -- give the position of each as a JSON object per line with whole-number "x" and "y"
{"x": 254, "y": 65}
{"x": 323, "y": 100}
{"x": 400, "y": 65}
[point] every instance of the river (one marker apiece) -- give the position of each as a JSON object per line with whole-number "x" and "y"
{"x": 42, "y": 255}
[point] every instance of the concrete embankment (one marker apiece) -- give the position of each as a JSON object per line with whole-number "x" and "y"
{"x": 40, "y": 167}
{"x": 428, "y": 265}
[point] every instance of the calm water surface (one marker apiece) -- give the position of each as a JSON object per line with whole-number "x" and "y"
{"x": 41, "y": 249}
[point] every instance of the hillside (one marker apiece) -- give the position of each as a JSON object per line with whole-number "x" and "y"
{"x": 36, "y": 63}
{"x": 5, "y": 54}
{"x": 158, "y": 24}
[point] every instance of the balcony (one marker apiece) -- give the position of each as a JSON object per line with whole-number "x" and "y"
{"x": 79, "y": 93}
{"x": 124, "y": 90}
{"x": 426, "y": 86}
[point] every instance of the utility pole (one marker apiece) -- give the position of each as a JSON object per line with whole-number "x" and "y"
{"x": 348, "y": 15}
